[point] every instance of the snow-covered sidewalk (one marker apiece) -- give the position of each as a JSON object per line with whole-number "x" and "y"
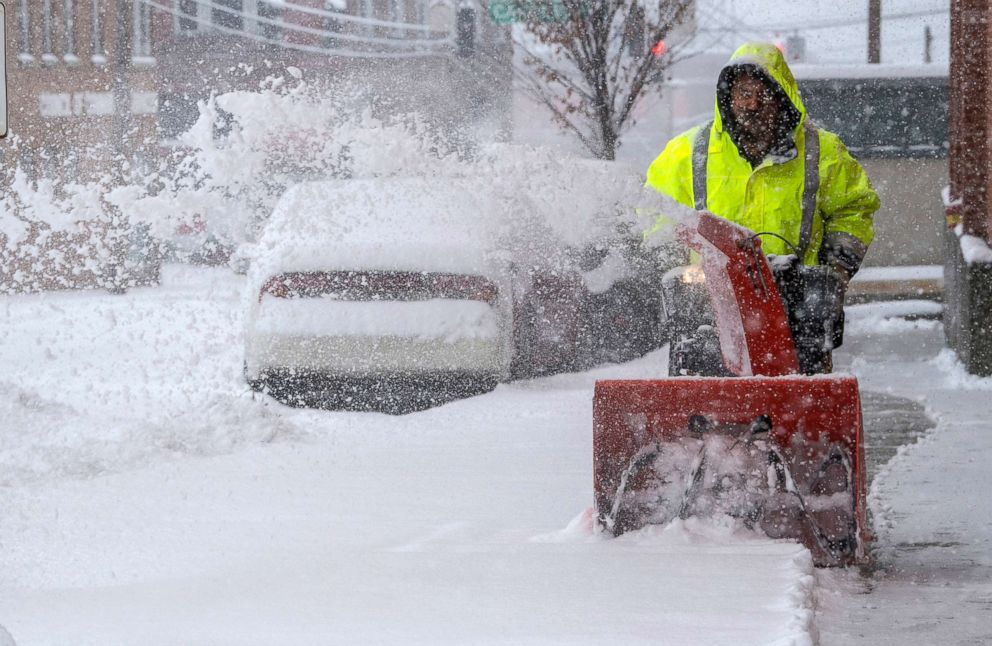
{"x": 933, "y": 513}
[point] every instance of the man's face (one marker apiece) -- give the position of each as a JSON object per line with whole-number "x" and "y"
{"x": 754, "y": 106}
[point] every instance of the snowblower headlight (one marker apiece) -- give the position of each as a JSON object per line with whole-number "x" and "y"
{"x": 693, "y": 275}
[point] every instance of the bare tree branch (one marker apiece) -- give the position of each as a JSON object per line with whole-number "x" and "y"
{"x": 581, "y": 60}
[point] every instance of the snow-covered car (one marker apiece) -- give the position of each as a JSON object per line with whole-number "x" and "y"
{"x": 378, "y": 294}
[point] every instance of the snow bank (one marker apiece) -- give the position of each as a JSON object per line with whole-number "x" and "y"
{"x": 892, "y": 317}
{"x": 956, "y": 376}
{"x": 110, "y": 382}
{"x": 46, "y": 439}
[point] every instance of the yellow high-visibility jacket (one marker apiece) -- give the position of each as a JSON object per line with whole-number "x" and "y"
{"x": 770, "y": 197}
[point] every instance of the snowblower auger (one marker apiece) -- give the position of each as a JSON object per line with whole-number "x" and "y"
{"x": 779, "y": 450}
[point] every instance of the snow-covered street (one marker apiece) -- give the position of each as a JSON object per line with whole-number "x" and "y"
{"x": 148, "y": 499}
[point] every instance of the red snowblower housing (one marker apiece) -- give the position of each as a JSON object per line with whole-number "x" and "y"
{"x": 779, "y": 450}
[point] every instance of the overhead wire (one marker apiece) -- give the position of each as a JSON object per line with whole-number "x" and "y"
{"x": 725, "y": 24}
{"x": 853, "y": 22}
{"x": 737, "y": 26}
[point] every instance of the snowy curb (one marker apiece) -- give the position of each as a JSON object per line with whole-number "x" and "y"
{"x": 881, "y": 490}
{"x": 803, "y": 596}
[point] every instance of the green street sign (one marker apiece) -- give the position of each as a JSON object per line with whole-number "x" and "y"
{"x": 505, "y": 12}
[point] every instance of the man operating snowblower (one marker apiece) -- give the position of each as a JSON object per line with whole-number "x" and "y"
{"x": 761, "y": 163}
{"x": 738, "y": 430}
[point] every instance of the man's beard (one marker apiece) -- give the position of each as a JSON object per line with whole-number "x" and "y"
{"x": 756, "y": 127}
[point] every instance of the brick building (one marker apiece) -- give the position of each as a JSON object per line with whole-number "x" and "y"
{"x": 90, "y": 79}
{"x": 67, "y": 85}
{"x": 92, "y": 83}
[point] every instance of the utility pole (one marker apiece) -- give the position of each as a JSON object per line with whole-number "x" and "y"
{"x": 874, "y": 31}
{"x": 968, "y": 278}
{"x": 121, "y": 89}
{"x": 116, "y": 271}
{"x": 970, "y": 161}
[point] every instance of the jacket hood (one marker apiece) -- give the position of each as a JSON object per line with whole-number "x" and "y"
{"x": 766, "y": 61}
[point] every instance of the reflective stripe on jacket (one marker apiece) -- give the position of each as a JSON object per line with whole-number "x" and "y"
{"x": 769, "y": 197}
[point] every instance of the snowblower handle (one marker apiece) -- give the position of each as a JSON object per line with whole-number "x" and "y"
{"x": 752, "y": 323}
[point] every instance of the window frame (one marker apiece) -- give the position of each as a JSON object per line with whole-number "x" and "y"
{"x": 24, "y": 54}
{"x": 69, "y": 55}
{"x": 99, "y": 53}
{"x": 48, "y": 34}
{"x": 187, "y": 15}
{"x": 141, "y": 44}
{"x": 236, "y": 15}
{"x": 893, "y": 125}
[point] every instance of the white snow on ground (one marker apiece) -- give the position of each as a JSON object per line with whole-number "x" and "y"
{"x": 932, "y": 513}
{"x": 95, "y": 384}
{"x": 907, "y": 272}
{"x": 975, "y": 250}
{"x": 892, "y": 316}
{"x": 146, "y": 498}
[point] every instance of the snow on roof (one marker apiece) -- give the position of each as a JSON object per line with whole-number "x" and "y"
{"x": 415, "y": 224}
{"x": 868, "y": 71}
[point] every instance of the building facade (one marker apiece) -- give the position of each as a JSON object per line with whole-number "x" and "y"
{"x": 69, "y": 85}
{"x": 100, "y": 90}
{"x": 92, "y": 80}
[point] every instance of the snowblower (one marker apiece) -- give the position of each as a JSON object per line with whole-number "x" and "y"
{"x": 743, "y": 425}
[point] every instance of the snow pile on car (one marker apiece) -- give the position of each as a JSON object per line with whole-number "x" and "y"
{"x": 396, "y": 224}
